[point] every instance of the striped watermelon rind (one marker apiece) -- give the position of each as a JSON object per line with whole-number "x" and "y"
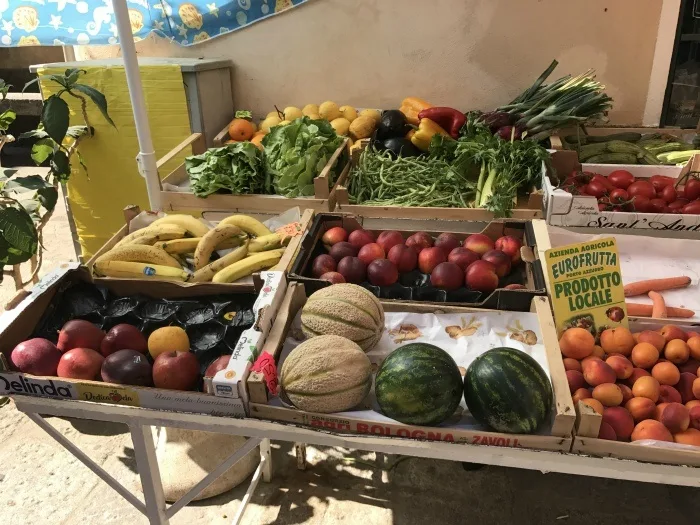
{"x": 419, "y": 384}
{"x": 507, "y": 390}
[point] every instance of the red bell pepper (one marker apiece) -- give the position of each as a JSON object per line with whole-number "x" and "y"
{"x": 451, "y": 120}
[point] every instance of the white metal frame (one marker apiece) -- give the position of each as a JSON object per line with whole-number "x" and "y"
{"x": 259, "y": 432}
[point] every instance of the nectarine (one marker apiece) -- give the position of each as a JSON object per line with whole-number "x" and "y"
{"x": 620, "y": 420}
{"x": 675, "y": 417}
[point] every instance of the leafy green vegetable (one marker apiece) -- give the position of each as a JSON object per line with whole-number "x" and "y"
{"x": 296, "y": 153}
{"x": 235, "y": 168}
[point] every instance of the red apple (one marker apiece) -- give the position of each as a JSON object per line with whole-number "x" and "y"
{"x": 334, "y": 235}
{"x": 81, "y": 363}
{"x": 404, "y": 257}
{"x": 419, "y": 241}
{"x": 220, "y": 363}
{"x": 79, "y": 333}
{"x": 333, "y": 277}
{"x": 447, "y": 241}
{"x": 359, "y": 238}
{"x": 388, "y": 239}
{"x": 324, "y": 263}
{"x": 382, "y": 272}
{"x": 352, "y": 269}
{"x": 481, "y": 276}
{"x": 510, "y": 246}
{"x": 479, "y": 243}
{"x": 462, "y": 257}
{"x": 447, "y": 276}
{"x": 370, "y": 252}
{"x": 342, "y": 249}
{"x": 429, "y": 258}
{"x": 500, "y": 260}
{"x": 37, "y": 356}
{"x": 123, "y": 337}
{"x": 176, "y": 370}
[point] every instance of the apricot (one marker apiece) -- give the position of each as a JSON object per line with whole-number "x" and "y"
{"x": 677, "y": 351}
{"x": 675, "y": 417}
{"x": 636, "y": 374}
{"x": 597, "y": 372}
{"x": 621, "y": 365}
{"x": 635, "y": 336}
{"x": 671, "y": 332}
{"x": 647, "y": 387}
{"x": 599, "y": 352}
{"x": 583, "y": 393}
{"x": 668, "y": 394}
{"x": 685, "y": 386}
{"x": 640, "y": 408}
{"x": 617, "y": 341}
{"x": 696, "y": 387}
{"x": 694, "y": 347}
{"x": 594, "y": 404}
{"x": 660, "y": 410}
{"x": 575, "y": 379}
{"x": 651, "y": 429}
{"x": 654, "y": 338}
{"x": 666, "y": 373}
{"x": 692, "y": 404}
{"x": 576, "y": 343}
{"x": 620, "y": 420}
{"x": 690, "y": 436}
{"x": 609, "y": 394}
{"x": 572, "y": 364}
{"x": 626, "y": 393}
{"x": 645, "y": 355}
{"x": 606, "y": 432}
{"x": 694, "y": 413}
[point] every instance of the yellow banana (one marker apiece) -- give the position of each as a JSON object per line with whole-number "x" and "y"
{"x": 267, "y": 242}
{"x": 193, "y": 226}
{"x": 247, "y": 224}
{"x": 151, "y": 234}
{"x": 179, "y": 246}
{"x": 211, "y": 240}
{"x": 140, "y": 253}
{"x": 207, "y": 273}
{"x": 247, "y": 266}
{"x": 135, "y": 270}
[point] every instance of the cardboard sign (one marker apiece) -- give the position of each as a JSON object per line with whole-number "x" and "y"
{"x": 586, "y": 286}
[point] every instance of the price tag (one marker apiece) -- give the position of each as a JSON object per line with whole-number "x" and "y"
{"x": 586, "y": 286}
{"x": 265, "y": 364}
{"x": 292, "y": 229}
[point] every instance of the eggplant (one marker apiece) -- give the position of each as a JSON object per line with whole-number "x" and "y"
{"x": 392, "y": 124}
{"x": 496, "y": 120}
{"x": 401, "y": 146}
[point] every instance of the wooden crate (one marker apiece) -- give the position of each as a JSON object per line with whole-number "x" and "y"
{"x": 324, "y": 198}
{"x": 559, "y": 437}
{"x": 557, "y": 141}
{"x": 529, "y": 207}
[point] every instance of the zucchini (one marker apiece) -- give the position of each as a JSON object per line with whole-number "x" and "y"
{"x": 589, "y": 150}
{"x": 650, "y": 159}
{"x": 625, "y": 137}
{"x": 668, "y": 147}
{"x": 613, "y": 158}
{"x": 677, "y": 157}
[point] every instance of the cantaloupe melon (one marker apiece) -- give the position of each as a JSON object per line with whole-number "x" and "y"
{"x": 326, "y": 374}
{"x": 346, "y": 310}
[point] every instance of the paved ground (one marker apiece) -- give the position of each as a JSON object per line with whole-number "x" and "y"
{"x": 41, "y": 483}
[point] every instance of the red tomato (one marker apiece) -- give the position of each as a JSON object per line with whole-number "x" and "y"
{"x": 621, "y": 179}
{"x": 605, "y": 182}
{"x": 691, "y": 191}
{"x": 677, "y": 205}
{"x": 668, "y": 193}
{"x": 657, "y": 205}
{"x": 596, "y": 188}
{"x": 642, "y": 188}
{"x": 602, "y": 206}
{"x": 618, "y": 196}
{"x": 661, "y": 181}
{"x": 692, "y": 209}
{"x": 641, "y": 204}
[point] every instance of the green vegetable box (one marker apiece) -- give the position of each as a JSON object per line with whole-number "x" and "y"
{"x": 301, "y": 166}
{"x": 406, "y": 378}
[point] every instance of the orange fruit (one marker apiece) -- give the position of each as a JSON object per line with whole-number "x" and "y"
{"x": 257, "y": 140}
{"x": 241, "y": 129}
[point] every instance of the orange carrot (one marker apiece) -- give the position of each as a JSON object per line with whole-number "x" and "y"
{"x": 658, "y": 307}
{"x": 645, "y": 310}
{"x": 655, "y": 285}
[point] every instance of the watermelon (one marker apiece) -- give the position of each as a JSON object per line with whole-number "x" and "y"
{"x": 507, "y": 390}
{"x": 418, "y": 384}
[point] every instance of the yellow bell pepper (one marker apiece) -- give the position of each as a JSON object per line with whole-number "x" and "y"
{"x": 411, "y": 106}
{"x": 425, "y": 132}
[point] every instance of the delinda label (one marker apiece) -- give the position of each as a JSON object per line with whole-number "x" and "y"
{"x": 19, "y": 384}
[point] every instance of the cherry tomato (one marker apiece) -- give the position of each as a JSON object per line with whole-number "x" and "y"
{"x": 668, "y": 193}
{"x": 691, "y": 191}
{"x": 605, "y": 182}
{"x": 692, "y": 209}
{"x": 596, "y": 188}
{"x": 657, "y": 205}
{"x": 661, "y": 181}
{"x": 618, "y": 196}
{"x": 677, "y": 205}
{"x": 602, "y": 206}
{"x": 643, "y": 188}
{"x": 621, "y": 179}
{"x": 641, "y": 204}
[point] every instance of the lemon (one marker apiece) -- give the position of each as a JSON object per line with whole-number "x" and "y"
{"x": 341, "y": 125}
{"x": 272, "y": 114}
{"x": 371, "y": 113}
{"x": 168, "y": 339}
{"x": 310, "y": 110}
{"x": 329, "y": 111}
{"x": 349, "y": 113}
{"x": 285, "y": 123}
{"x": 292, "y": 113}
{"x": 270, "y": 122}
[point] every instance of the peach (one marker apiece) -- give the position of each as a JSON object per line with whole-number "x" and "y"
{"x": 581, "y": 394}
{"x": 692, "y": 404}
{"x": 391, "y": 238}
{"x": 447, "y": 242}
{"x": 651, "y": 429}
{"x": 636, "y": 374}
{"x": 647, "y": 387}
{"x": 404, "y": 257}
{"x": 617, "y": 341}
{"x": 370, "y": 252}
{"x": 479, "y": 243}
{"x": 572, "y": 364}
{"x": 481, "y": 276}
{"x": 677, "y": 351}
{"x": 597, "y": 372}
{"x": 334, "y": 236}
{"x": 691, "y": 365}
{"x": 324, "y": 263}
{"x": 621, "y": 365}
{"x": 685, "y": 386}
{"x": 594, "y": 404}
{"x": 575, "y": 379}
{"x": 606, "y": 432}
{"x": 429, "y": 258}
{"x": 598, "y": 351}
{"x": 641, "y": 408}
{"x": 342, "y": 249}
{"x": 333, "y": 277}
{"x": 609, "y": 394}
{"x": 620, "y": 420}
{"x": 660, "y": 410}
{"x": 500, "y": 260}
{"x": 666, "y": 373}
{"x": 352, "y": 269}
{"x": 382, "y": 272}
{"x": 694, "y": 413}
{"x": 447, "y": 276}
{"x": 419, "y": 241}
{"x": 654, "y": 338}
{"x": 511, "y": 246}
{"x": 675, "y": 417}
{"x": 576, "y": 343}
{"x": 694, "y": 347}
{"x": 359, "y": 238}
{"x": 645, "y": 355}
{"x": 462, "y": 257}
{"x": 668, "y": 394}
{"x": 671, "y": 332}
{"x": 626, "y": 393}
{"x": 695, "y": 387}
{"x": 690, "y": 436}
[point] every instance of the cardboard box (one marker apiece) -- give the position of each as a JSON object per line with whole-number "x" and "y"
{"x": 528, "y": 273}
{"x": 558, "y": 437}
{"x": 557, "y": 142}
{"x": 528, "y": 207}
{"x": 324, "y": 198}
{"x": 567, "y": 210}
{"x": 20, "y": 323}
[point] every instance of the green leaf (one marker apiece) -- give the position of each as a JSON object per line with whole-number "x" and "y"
{"x": 34, "y": 134}
{"x": 31, "y": 206}
{"x": 7, "y": 118}
{"x": 48, "y": 197}
{"x": 60, "y": 164}
{"x": 10, "y": 255}
{"x": 24, "y": 184}
{"x": 4, "y": 89}
{"x": 42, "y": 150}
{"x": 72, "y": 76}
{"x": 76, "y": 131}
{"x": 55, "y": 117}
{"x": 18, "y": 229}
{"x": 98, "y": 98}
{"x": 29, "y": 84}
{"x": 243, "y": 114}
{"x": 81, "y": 160}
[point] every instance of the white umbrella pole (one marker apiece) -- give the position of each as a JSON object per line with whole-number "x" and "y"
{"x": 146, "y": 159}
